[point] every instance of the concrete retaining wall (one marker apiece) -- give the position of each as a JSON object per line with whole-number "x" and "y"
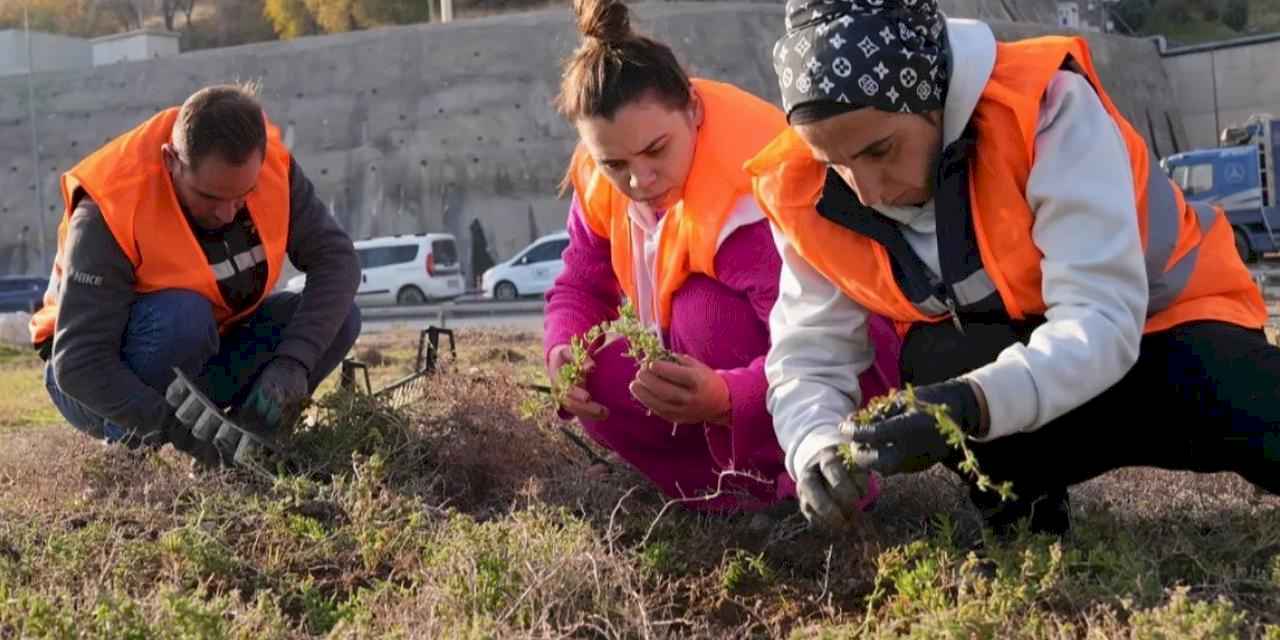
{"x": 1245, "y": 76}
{"x": 425, "y": 128}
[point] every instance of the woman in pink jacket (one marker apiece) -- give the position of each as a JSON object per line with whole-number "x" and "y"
{"x": 663, "y": 214}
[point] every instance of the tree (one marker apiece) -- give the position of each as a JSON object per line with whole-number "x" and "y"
{"x": 67, "y": 17}
{"x": 230, "y": 23}
{"x": 1236, "y": 15}
{"x": 1179, "y": 11}
{"x": 1131, "y": 15}
{"x": 334, "y": 16}
{"x": 387, "y": 12}
{"x": 125, "y": 13}
{"x": 169, "y": 10}
{"x": 293, "y": 18}
{"x": 290, "y": 18}
{"x": 1208, "y": 9}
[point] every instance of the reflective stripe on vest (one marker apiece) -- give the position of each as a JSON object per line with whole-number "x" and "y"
{"x": 128, "y": 181}
{"x": 1162, "y": 238}
{"x": 242, "y": 261}
{"x": 1164, "y": 286}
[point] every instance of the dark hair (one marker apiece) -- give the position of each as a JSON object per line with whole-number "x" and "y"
{"x": 807, "y": 112}
{"x": 614, "y": 66}
{"x": 226, "y": 120}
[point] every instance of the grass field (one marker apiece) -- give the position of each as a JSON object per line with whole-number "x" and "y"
{"x": 459, "y": 517}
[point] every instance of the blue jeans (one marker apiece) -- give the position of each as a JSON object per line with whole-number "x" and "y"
{"x": 175, "y": 328}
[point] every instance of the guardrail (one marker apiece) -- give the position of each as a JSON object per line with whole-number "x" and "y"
{"x": 452, "y": 310}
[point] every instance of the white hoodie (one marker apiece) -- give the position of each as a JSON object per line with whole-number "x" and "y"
{"x": 1094, "y": 285}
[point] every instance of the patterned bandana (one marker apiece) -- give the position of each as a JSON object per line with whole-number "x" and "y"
{"x": 887, "y": 54}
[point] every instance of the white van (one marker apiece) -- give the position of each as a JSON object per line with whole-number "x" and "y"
{"x": 405, "y": 269}
{"x": 530, "y": 272}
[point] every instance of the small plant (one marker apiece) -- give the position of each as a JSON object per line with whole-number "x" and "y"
{"x": 659, "y": 557}
{"x": 643, "y": 345}
{"x": 744, "y": 571}
{"x": 574, "y": 372}
{"x": 904, "y": 401}
{"x": 1183, "y": 617}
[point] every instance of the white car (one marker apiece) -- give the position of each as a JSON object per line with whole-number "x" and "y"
{"x": 531, "y": 272}
{"x": 404, "y": 269}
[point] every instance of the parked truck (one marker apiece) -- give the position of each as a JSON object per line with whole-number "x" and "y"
{"x": 1242, "y": 176}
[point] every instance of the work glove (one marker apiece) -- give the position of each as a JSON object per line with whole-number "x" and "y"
{"x": 182, "y": 439}
{"x": 274, "y": 401}
{"x": 685, "y": 391}
{"x": 276, "y": 398}
{"x": 830, "y": 494}
{"x": 904, "y": 440}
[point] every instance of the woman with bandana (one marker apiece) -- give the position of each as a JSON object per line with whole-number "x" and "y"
{"x": 1047, "y": 277}
{"x": 662, "y": 213}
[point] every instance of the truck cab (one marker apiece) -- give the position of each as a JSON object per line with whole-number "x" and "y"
{"x": 1241, "y": 177}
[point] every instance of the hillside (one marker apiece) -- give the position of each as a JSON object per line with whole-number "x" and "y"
{"x": 1194, "y": 26}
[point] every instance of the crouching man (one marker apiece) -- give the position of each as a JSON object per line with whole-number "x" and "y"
{"x": 173, "y": 237}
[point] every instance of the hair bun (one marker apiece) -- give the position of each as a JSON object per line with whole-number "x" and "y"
{"x": 606, "y": 20}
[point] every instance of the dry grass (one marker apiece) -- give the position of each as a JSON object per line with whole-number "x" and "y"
{"x": 23, "y": 399}
{"x": 459, "y": 518}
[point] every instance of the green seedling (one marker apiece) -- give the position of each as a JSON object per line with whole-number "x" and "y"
{"x": 643, "y": 345}
{"x": 905, "y": 400}
{"x": 574, "y": 372}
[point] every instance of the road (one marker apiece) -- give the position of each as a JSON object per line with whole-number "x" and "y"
{"x": 524, "y": 315}
{"x": 515, "y": 322}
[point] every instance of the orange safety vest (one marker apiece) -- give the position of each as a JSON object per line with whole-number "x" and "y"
{"x": 129, "y": 182}
{"x": 735, "y": 126}
{"x": 1193, "y": 269}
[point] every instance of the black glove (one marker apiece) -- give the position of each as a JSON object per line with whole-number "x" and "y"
{"x": 276, "y": 398}
{"x": 828, "y": 492}
{"x": 182, "y": 439}
{"x": 909, "y": 441}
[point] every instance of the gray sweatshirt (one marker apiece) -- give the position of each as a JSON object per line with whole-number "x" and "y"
{"x": 98, "y": 290}
{"x": 1095, "y": 284}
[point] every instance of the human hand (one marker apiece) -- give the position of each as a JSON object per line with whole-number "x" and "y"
{"x": 576, "y": 399}
{"x": 830, "y": 494}
{"x": 684, "y": 391}
{"x": 905, "y": 440}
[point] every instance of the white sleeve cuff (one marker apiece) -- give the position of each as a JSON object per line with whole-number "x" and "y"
{"x": 1012, "y": 401}
{"x": 816, "y": 440}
